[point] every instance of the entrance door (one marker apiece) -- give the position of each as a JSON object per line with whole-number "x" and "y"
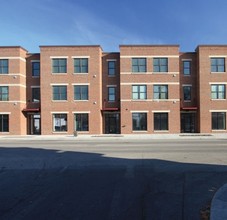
{"x": 35, "y": 124}
{"x": 112, "y": 123}
{"x": 188, "y": 123}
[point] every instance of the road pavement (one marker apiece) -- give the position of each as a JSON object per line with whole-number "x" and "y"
{"x": 109, "y": 178}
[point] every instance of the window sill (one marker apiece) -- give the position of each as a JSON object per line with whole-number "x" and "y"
{"x": 217, "y": 72}
{"x": 221, "y": 130}
{"x": 142, "y": 131}
{"x": 57, "y": 74}
{"x": 218, "y": 99}
{"x": 139, "y": 100}
{"x": 80, "y": 73}
{"x": 85, "y": 100}
{"x": 59, "y": 132}
{"x": 162, "y": 73}
{"x": 59, "y": 100}
{"x": 82, "y": 132}
{"x": 159, "y": 131}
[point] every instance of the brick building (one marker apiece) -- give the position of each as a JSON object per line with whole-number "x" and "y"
{"x": 142, "y": 89}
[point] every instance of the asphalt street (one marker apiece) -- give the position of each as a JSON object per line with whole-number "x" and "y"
{"x": 109, "y": 178}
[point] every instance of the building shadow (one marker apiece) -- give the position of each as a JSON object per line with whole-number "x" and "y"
{"x": 52, "y": 184}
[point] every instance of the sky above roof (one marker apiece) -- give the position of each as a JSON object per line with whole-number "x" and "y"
{"x": 31, "y": 23}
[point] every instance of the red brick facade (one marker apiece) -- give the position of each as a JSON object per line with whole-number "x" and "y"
{"x": 143, "y": 89}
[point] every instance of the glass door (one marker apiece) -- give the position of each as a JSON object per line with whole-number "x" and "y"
{"x": 35, "y": 124}
{"x": 112, "y": 123}
{"x": 188, "y": 123}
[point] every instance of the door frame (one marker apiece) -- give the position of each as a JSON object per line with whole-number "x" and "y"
{"x": 192, "y": 117}
{"x": 107, "y": 116}
{"x": 31, "y": 123}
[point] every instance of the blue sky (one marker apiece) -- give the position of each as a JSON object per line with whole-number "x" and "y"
{"x": 31, "y": 23}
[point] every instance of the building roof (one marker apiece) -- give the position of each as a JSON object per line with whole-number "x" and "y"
{"x": 150, "y": 45}
{"x": 19, "y": 47}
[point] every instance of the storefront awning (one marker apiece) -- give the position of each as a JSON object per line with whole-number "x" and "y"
{"x": 189, "y": 108}
{"x": 110, "y": 109}
{"x": 31, "y": 110}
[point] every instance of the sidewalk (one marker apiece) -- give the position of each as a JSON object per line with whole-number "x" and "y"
{"x": 117, "y": 136}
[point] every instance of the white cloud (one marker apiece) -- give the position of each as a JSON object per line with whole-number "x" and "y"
{"x": 90, "y": 29}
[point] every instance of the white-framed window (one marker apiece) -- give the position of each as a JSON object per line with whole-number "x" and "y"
{"x": 218, "y": 120}
{"x": 59, "y": 65}
{"x": 80, "y": 65}
{"x": 218, "y": 91}
{"x": 160, "y": 65}
{"x": 139, "y": 65}
{"x": 160, "y": 91}
{"x": 60, "y": 122}
{"x": 217, "y": 64}
{"x": 81, "y": 122}
{"x": 59, "y": 92}
{"x": 139, "y": 121}
{"x": 161, "y": 121}
{"x": 4, "y": 122}
{"x": 139, "y": 92}
{"x": 80, "y": 92}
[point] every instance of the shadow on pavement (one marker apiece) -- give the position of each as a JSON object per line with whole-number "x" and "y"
{"x": 49, "y": 184}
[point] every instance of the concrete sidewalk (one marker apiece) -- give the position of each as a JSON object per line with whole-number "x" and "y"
{"x": 117, "y": 136}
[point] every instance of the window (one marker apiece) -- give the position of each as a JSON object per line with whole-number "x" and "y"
{"x": 187, "y": 93}
{"x": 81, "y": 122}
{"x": 160, "y": 65}
{"x": 218, "y": 120}
{"x": 217, "y": 64}
{"x": 4, "y": 66}
{"x": 139, "y": 121}
{"x": 187, "y": 68}
{"x": 111, "y": 68}
{"x": 217, "y": 91}
{"x": 161, "y": 121}
{"x": 35, "y": 94}
{"x": 80, "y": 65}
{"x": 160, "y": 92}
{"x": 60, "y": 122}
{"x": 139, "y": 65}
{"x": 139, "y": 92}
{"x": 4, "y": 93}
{"x": 59, "y": 92}
{"x": 36, "y": 69}
{"x": 81, "y": 92}
{"x": 4, "y": 123}
{"x": 59, "y": 65}
{"x": 111, "y": 94}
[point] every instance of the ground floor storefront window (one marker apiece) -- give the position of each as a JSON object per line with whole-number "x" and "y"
{"x": 81, "y": 122}
{"x": 161, "y": 122}
{"x": 4, "y": 123}
{"x": 59, "y": 122}
{"x": 139, "y": 121}
{"x": 218, "y": 120}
